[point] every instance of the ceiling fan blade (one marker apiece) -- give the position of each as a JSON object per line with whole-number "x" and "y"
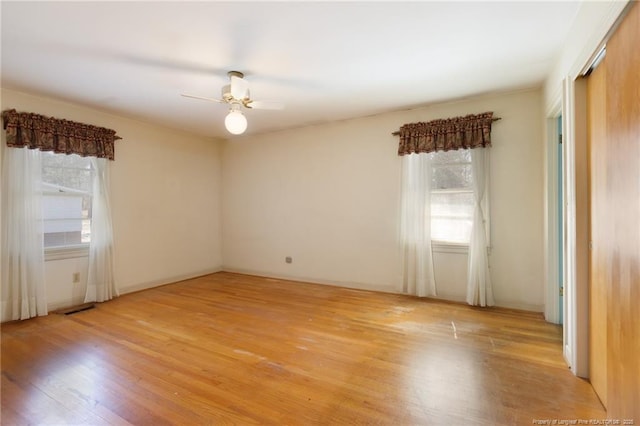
{"x": 239, "y": 87}
{"x": 265, "y": 105}
{"x": 202, "y": 98}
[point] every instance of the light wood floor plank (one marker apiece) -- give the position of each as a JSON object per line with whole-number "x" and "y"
{"x": 236, "y": 349}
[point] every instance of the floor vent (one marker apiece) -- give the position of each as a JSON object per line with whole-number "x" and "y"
{"x": 76, "y": 309}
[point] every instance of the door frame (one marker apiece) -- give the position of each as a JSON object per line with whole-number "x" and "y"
{"x": 552, "y": 305}
{"x": 576, "y": 226}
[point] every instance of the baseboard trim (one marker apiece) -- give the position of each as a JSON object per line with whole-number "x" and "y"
{"x": 170, "y": 280}
{"x": 513, "y": 306}
{"x": 345, "y": 284}
{"x": 57, "y": 306}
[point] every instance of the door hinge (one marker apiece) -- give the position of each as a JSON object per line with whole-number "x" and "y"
{"x": 561, "y": 291}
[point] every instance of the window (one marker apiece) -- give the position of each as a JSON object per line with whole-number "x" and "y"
{"x": 452, "y": 198}
{"x": 66, "y": 203}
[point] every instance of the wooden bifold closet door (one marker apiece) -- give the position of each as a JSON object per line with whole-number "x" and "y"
{"x": 613, "y": 111}
{"x": 599, "y": 229}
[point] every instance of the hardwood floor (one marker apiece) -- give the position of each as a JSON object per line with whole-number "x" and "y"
{"x": 235, "y": 349}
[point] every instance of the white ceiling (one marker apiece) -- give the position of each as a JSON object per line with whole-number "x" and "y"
{"x": 324, "y": 60}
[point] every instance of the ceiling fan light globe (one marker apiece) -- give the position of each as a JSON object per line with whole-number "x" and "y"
{"x": 235, "y": 122}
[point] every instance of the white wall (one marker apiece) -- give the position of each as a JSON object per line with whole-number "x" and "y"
{"x": 165, "y": 203}
{"x": 328, "y": 196}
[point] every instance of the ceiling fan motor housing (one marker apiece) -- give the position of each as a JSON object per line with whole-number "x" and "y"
{"x": 228, "y": 97}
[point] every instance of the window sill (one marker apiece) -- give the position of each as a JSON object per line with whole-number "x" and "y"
{"x": 444, "y": 247}
{"x": 68, "y": 252}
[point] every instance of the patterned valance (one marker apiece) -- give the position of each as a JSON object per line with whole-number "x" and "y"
{"x": 25, "y": 129}
{"x": 470, "y": 131}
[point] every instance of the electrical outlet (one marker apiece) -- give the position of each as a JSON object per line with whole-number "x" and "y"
{"x": 288, "y": 259}
{"x": 76, "y": 277}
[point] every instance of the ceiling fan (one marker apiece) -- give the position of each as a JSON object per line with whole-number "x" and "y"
{"x": 236, "y": 95}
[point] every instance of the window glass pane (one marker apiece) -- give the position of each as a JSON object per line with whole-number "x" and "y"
{"x": 450, "y": 230}
{"x": 448, "y": 157}
{"x": 56, "y": 207}
{"x": 66, "y": 202}
{"x": 452, "y": 196}
{"x": 457, "y": 204}
{"x": 66, "y": 171}
{"x": 451, "y": 176}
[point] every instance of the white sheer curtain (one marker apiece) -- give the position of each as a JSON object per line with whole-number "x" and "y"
{"x": 479, "y": 291}
{"x": 418, "y": 277}
{"x": 101, "y": 285}
{"x": 23, "y": 287}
